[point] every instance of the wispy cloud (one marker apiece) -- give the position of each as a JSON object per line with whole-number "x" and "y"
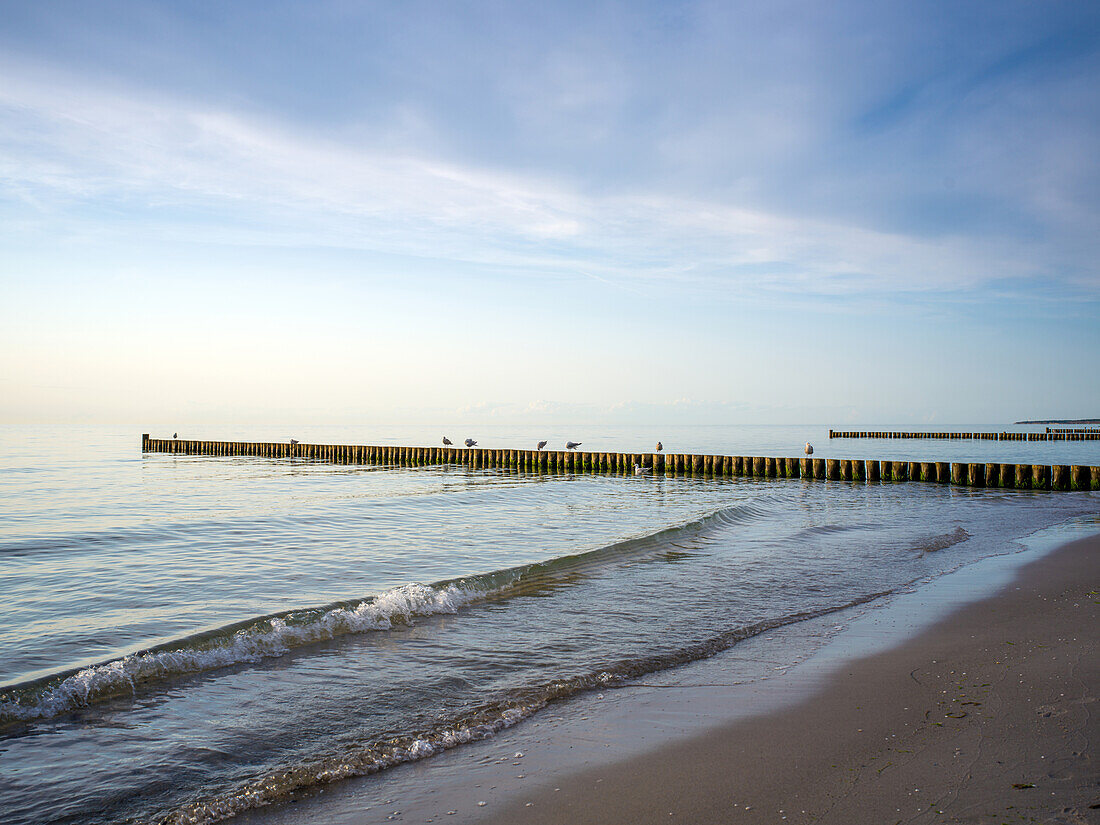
{"x": 175, "y": 167}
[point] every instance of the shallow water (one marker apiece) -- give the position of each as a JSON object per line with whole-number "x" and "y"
{"x": 188, "y": 637}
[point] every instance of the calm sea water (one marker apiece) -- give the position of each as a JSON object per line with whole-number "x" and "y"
{"x": 184, "y": 638}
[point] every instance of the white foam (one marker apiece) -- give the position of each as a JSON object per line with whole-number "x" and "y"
{"x": 246, "y": 645}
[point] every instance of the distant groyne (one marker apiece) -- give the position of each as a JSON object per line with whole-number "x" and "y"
{"x": 1049, "y": 435}
{"x": 1017, "y": 476}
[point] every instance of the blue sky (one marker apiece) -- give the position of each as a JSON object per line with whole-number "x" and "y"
{"x": 855, "y": 213}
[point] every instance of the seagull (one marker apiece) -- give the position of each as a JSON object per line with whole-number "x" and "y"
{"x": 639, "y": 470}
{"x": 542, "y": 444}
{"x": 294, "y": 441}
{"x": 660, "y": 446}
{"x": 470, "y": 442}
{"x": 809, "y": 448}
{"x": 175, "y": 435}
{"x": 447, "y": 442}
{"x": 572, "y": 445}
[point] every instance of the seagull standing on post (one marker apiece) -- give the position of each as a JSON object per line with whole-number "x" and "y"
{"x": 470, "y": 442}
{"x": 175, "y": 435}
{"x": 809, "y": 448}
{"x": 542, "y": 444}
{"x": 660, "y": 446}
{"x": 447, "y": 442}
{"x": 572, "y": 445}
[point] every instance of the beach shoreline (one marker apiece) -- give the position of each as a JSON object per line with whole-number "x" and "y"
{"x": 625, "y": 754}
{"x": 987, "y": 716}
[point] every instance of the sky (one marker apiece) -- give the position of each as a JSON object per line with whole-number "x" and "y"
{"x": 880, "y": 214}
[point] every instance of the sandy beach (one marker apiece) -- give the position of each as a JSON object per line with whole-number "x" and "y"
{"x": 987, "y": 717}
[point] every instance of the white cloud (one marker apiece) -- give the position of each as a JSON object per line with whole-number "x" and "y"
{"x": 65, "y": 144}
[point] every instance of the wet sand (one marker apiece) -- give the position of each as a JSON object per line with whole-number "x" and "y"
{"x": 987, "y": 717}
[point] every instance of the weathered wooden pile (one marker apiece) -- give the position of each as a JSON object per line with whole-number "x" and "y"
{"x": 1049, "y": 435}
{"x": 1018, "y": 476}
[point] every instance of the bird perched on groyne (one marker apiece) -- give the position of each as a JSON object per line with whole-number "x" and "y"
{"x": 447, "y": 442}
{"x": 293, "y": 441}
{"x": 469, "y": 442}
{"x": 542, "y": 444}
{"x": 175, "y": 435}
{"x": 660, "y": 446}
{"x": 809, "y": 448}
{"x": 572, "y": 445}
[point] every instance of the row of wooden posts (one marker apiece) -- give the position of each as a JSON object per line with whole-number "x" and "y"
{"x": 1073, "y": 430}
{"x": 1049, "y": 435}
{"x": 1018, "y": 476}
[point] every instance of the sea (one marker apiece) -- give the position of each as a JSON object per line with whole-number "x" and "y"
{"x": 187, "y": 638}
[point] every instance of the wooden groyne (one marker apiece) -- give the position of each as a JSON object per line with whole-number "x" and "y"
{"x": 1017, "y": 476}
{"x": 1072, "y": 430}
{"x": 1049, "y": 435}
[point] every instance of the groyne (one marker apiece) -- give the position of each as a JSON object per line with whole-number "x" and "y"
{"x": 1016, "y": 476}
{"x": 1049, "y": 435}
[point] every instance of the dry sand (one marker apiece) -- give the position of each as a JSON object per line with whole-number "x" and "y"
{"x": 988, "y": 717}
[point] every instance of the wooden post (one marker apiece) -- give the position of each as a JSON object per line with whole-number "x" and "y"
{"x": 975, "y": 475}
{"x": 958, "y": 473}
{"x": 873, "y": 471}
{"x": 819, "y": 468}
{"x": 943, "y": 472}
{"x": 899, "y": 470}
{"x": 758, "y": 466}
{"x": 806, "y": 467}
{"x": 846, "y": 469}
{"x": 993, "y": 475}
{"x": 1023, "y": 476}
{"x": 859, "y": 470}
{"x": 832, "y": 469}
{"x": 1040, "y": 477}
{"x": 1079, "y": 477}
{"x": 1060, "y": 477}
{"x": 928, "y": 471}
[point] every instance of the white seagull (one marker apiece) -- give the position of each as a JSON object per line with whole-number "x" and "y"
{"x": 639, "y": 470}
{"x": 809, "y": 448}
{"x": 572, "y": 445}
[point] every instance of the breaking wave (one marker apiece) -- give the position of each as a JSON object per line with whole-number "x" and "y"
{"x": 263, "y": 637}
{"x": 371, "y": 757}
